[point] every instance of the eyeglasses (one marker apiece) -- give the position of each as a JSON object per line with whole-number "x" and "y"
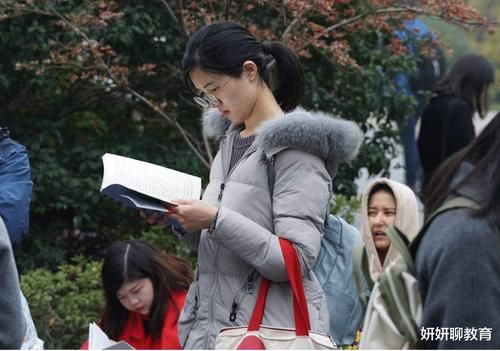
{"x": 207, "y": 100}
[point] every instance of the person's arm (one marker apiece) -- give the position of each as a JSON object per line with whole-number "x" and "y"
{"x": 15, "y": 188}
{"x": 12, "y": 324}
{"x": 301, "y": 195}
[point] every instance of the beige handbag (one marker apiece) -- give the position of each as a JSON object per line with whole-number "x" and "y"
{"x": 258, "y": 337}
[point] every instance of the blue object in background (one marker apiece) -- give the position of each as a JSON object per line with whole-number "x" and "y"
{"x": 15, "y": 186}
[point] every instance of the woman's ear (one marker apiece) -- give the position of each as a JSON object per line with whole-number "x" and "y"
{"x": 250, "y": 70}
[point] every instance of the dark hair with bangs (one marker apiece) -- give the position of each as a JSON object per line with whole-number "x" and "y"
{"x": 223, "y": 47}
{"x": 127, "y": 261}
{"x": 380, "y": 187}
{"x": 468, "y": 79}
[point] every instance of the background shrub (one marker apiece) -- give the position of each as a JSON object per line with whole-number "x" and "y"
{"x": 62, "y": 303}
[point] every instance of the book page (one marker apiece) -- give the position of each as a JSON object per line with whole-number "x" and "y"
{"x": 98, "y": 340}
{"x": 152, "y": 180}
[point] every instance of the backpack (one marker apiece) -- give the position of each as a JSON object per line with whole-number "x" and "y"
{"x": 15, "y": 186}
{"x": 429, "y": 70}
{"x": 334, "y": 272}
{"x": 394, "y": 311}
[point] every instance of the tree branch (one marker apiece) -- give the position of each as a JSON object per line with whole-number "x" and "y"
{"x": 392, "y": 10}
{"x": 289, "y": 28}
{"x": 176, "y": 124}
{"x": 179, "y": 21}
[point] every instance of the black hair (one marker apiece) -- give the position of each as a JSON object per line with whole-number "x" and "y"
{"x": 223, "y": 47}
{"x": 468, "y": 79}
{"x": 127, "y": 261}
{"x": 482, "y": 154}
{"x": 380, "y": 187}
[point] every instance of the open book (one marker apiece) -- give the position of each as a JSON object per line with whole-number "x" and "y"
{"x": 145, "y": 185}
{"x": 98, "y": 340}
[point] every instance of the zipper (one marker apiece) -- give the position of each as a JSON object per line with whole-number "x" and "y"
{"x": 220, "y": 192}
{"x": 226, "y": 153}
{"x": 247, "y": 288}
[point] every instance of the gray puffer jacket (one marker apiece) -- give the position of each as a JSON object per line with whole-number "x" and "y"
{"x": 243, "y": 245}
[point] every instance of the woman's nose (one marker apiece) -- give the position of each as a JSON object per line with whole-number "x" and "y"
{"x": 379, "y": 219}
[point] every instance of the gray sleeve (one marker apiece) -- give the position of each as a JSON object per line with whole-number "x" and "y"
{"x": 12, "y": 324}
{"x": 458, "y": 270}
{"x": 301, "y": 195}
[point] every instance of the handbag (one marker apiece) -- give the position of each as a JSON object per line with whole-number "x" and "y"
{"x": 258, "y": 337}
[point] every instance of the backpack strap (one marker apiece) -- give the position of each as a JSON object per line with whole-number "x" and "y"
{"x": 408, "y": 250}
{"x": 270, "y": 174}
{"x": 457, "y": 202}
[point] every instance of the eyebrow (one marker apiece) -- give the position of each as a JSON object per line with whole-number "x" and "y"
{"x": 209, "y": 83}
{"x": 384, "y": 208}
{"x": 131, "y": 288}
{"x": 135, "y": 286}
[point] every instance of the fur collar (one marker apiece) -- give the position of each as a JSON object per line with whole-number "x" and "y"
{"x": 333, "y": 139}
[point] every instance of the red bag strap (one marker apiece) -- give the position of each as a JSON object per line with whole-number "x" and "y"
{"x": 300, "y": 311}
{"x": 260, "y": 304}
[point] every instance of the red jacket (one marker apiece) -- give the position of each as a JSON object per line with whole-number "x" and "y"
{"x": 134, "y": 333}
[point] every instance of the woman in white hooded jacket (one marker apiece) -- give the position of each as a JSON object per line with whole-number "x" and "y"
{"x": 386, "y": 203}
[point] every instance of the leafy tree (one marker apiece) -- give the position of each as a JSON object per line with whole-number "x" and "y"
{"x": 81, "y": 78}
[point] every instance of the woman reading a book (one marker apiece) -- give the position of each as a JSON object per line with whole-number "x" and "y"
{"x": 144, "y": 291}
{"x": 249, "y": 90}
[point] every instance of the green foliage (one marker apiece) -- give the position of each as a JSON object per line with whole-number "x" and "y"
{"x": 63, "y": 303}
{"x": 345, "y": 206}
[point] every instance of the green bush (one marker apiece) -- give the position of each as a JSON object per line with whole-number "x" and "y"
{"x": 63, "y": 303}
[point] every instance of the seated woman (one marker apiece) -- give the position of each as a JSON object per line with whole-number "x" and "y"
{"x": 144, "y": 291}
{"x": 386, "y": 203}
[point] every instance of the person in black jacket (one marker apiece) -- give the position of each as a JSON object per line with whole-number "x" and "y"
{"x": 446, "y": 124}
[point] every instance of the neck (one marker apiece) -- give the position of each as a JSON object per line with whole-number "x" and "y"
{"x": 266, "y": 107}
{"x": 381, "y": 256}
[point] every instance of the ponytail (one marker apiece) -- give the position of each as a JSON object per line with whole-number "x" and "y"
{"x": 288, "y": 82}
{"x": 223, "y": 47}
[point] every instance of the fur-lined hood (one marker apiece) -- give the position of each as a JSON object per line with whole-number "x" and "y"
{"x": 332, "y": 139}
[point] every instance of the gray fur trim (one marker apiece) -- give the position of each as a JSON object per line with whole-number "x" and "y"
{"x": 214, "y": 123}
{"x": 333, "y": 139}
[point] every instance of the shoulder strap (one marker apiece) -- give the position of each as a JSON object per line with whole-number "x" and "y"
{"x": 457, "y": 202}
{"x": 269, "y": 160}
{"x": 270, "y": 174}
